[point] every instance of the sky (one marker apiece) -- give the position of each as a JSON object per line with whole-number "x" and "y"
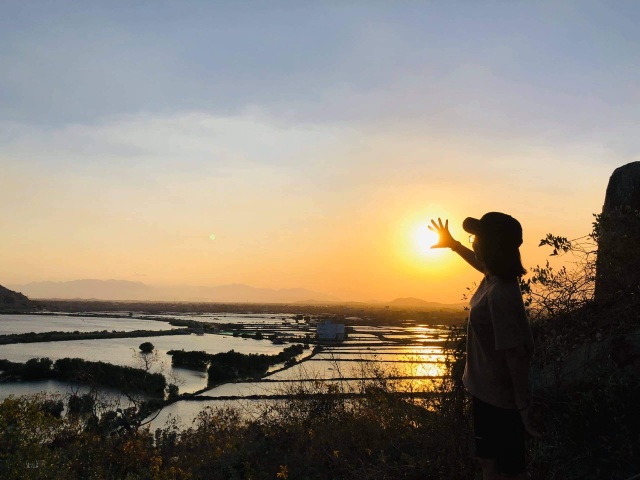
{"x": 293, "y": 144}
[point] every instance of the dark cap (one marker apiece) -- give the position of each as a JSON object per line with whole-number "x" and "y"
{"x": 495, "y": 226}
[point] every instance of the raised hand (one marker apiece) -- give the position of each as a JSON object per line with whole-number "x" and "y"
{"x": 445, "y": 238}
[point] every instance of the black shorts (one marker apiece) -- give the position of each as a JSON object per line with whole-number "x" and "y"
{"x": 499, "y": 434}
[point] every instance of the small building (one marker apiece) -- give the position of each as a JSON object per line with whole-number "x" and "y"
{"x": 329, "y": 331}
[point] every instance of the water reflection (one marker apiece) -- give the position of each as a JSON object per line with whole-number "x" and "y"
{"x": 409, "y": 359}
{"x": 14, "y": 324}
{"x": 122, "y": 351}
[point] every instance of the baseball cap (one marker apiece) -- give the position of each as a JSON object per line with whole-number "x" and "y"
{"x": 495, "y": 226}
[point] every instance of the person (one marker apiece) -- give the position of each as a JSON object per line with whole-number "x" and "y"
{"x": 499, "y": 343}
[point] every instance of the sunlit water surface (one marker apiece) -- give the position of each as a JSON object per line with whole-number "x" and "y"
{"x": 369, "y": 353}
{"x": 12, "y": 324}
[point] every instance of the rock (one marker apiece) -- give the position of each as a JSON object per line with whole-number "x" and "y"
{"x": 618, "y": 262}
{"x": 624, "y": 188}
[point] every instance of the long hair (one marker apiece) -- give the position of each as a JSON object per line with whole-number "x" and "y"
{"x": 500, "y": 259}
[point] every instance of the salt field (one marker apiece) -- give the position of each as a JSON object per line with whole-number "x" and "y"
{"x": 411, "y": 357}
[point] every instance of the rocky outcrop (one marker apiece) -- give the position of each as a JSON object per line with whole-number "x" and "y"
{"x": 11, "y": 301}
{"x": 618, "y": 263}
{"x": 603, "y": 336}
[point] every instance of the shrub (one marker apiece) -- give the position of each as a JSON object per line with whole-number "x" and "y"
{"x": 146, "y": 347}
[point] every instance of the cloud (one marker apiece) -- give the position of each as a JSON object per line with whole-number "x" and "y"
{"x": 546, "y": 69}
{"x": 304, "y": 204}
{"x": 192, "y": 140}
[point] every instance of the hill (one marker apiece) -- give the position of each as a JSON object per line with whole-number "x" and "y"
{"x": 11, "y": 301}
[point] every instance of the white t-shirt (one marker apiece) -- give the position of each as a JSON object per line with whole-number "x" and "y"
{"x": 497, "y": 322}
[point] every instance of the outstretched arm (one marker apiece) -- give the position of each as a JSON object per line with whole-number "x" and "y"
{"x": 447, "y": 241}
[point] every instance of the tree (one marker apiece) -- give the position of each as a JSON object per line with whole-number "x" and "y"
{"x": 550, "y": 292}
{"x": 172, "y": 391}
{"x": 37, "y": 368}
{"x": 81, "y": 404}
{"x": 146, "y": 347}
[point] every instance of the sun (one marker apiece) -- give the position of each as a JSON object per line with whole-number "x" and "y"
{"x": 423, "y": 239}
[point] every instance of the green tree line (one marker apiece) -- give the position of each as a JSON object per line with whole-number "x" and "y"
{"x": 122, "y": 378}
{"x": 232, "y": 365}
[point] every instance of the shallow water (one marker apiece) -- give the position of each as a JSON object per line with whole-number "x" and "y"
{"x": 338, "y": 363}
{"x": 118, "y": 351}
{"x": 11, "y": 324}
{"x": 60, "y": 390}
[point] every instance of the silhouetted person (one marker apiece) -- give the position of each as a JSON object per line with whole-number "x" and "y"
{"x": 499, "y": 343}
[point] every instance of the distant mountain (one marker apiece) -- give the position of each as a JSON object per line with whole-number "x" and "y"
{"x": 11, "y": 301}
{"x": 92, "y": 289}
{"x": 89, "y": 289}
{"x": 243, "y": 293}
{"x": 126, "y": 290}
{"x": 414, "y": 302}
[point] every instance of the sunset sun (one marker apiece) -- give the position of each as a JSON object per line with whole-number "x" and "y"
{"x": 423, "y": 239}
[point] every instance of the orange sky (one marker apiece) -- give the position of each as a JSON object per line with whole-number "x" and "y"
{"x": 312, "y": 143}
{"x": 353, "y": 231}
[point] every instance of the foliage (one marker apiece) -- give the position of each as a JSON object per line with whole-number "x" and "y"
{"x": 125, "y": 379}
{"x": 318, "y": 433}
{"x": 232, "y": 365}
{"x": 146, "y": 347}
{"x": 37, "y": 368}
{"x": 81, "y": 404}
{"x": 585, "y": 378}
{"x": 590, "y": 430}
{"x": 27, "y": 430}
{"x": 55, "y": 336}
{"x": 365, "y": 430}
{"x": 172, "y": 391}
{"x": 196, "y": 360}
{"x": 551, "y": 292}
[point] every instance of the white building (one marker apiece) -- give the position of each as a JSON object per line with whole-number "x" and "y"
{"x": 330, "y": 331}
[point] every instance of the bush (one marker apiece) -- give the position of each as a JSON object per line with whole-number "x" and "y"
{"x": 146, "y": 347}
{"x": 321, "y": 435}
{"x": 173, "y": 391}
{"x": 37, "y": 368}
{"x": 81, "y": 404}
{"x": 585, "y": 381}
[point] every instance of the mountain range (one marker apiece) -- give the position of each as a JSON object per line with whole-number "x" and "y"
{"x": 127, "y": 290}
{"x": 234, "y": 293}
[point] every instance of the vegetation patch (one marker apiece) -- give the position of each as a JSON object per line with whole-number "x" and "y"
{"x": 32, "y": 337}
{"x": 586, "y": 378}
{"x": 124, "y": 379}
{"x": 231, "y": 365}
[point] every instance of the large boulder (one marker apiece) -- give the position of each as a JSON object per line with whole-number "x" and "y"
{"x": 618, "y": 262}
